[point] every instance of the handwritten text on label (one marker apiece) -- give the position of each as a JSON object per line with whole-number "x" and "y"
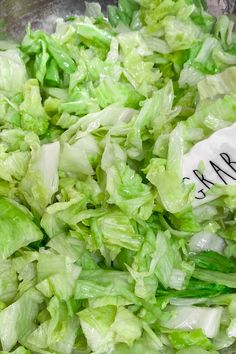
{"x": 218, "y": 155}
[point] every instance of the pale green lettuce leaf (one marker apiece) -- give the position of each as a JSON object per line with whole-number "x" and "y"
{"x": 57, "y": 334}
{"x": 33, "y": 115}
{"x": 154, "y": 12}
{"x": 149, "y": 343}
{"x": 167, "y": 175}
{"x": 206, "y": 241}
{"x": 115, "y": 229}
{"x": 141, "y": 74}
{"x": 40, "y": 64}
{"x": 125, "y": 186}
{"x": 193, "y": 317}
{"x": 91, "y": 34}
{"x": 25, "y": 265}
{"x": 126, "y": 327}
{"x": 142, "y": 268}
{"x": 96, "y": 324}
{"x": 227, "y": 279}
{"x": 13, "y": 165}
{"x": 155, "y": 113}
{"x": 180, "y": 35}
{"x": 8, "y": 282}
{"x": 182, "y": 339}
{"x": 196, "y": 350}
{"x": 55, "y": 217}
{"x": 16, "y": 139}
{"x": 212, "y": 115}
{"x": 217, "y": 85}
{"x": 41, "y": 180}
{"x": 19, "y": 350}
{"x": 110, "y": 91}
{"x": 104, "y": 326}
{"x": 67, "y": 246}
{"x": 164, "y": 258}
{"x": 98, "y": 284}
{"x": 93, "y": 9}
{"x": 16, "y": 322}
{"x": 57, "y": 275}
{"x": 12, "y": 72}
{"x": 80, "y": 157}
{"x": 17, "y": 228}
{"x": 109, "y": 117}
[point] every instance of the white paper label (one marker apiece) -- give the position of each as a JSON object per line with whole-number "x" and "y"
{"x": 218, "y": 156}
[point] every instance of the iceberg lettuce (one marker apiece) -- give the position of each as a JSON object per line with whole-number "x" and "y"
{"x": 102, "y": 249}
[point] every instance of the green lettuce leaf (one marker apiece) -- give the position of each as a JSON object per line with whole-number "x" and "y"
{"x": 13, "y": 165}
{"x": 8, "y": 282}
{"x": 215, "y": 85}
{"x": 103, "y": 327}
{"x": 57, "y": 333}
{"x": 13, "y": 72}
{"x": 17, "y": 228}
{"x": 41, "y": 180}
{"x": 96, "y": 284}
{"x": 19, "y": 350}
{"x": 182, "y": 339}
{"x": 167, "y": 177}
{"x": 33, "y": 116}
{"x": 214, "y": 261}
{"x": 227, "y": 279}
{"x": 124, "y": 186}
{"x": 16, "y": 322}
{"x": 57, "y": 276}
{"x": 115, "y": 230}
{"x": 193, "y": 317}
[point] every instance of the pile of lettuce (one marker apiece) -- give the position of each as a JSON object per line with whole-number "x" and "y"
{"x": 100, "y": 249}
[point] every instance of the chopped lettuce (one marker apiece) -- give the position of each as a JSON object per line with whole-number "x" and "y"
{"x": 104, "y": 326}
{"x": 16, "y": 322}
{"x": 167, "y": 177}
{"x": 33, "y": 115}
{"x": 102, "y": 248}
{"x": 40, "y": 182}
{"x": 188, "y": 318}
{"x": 206, "y": 241}
{"x": 17, "y": 229}
{"x": 8, "y": 282}
{"x": 13, "y": 72}
{"x": 124, "y": 186}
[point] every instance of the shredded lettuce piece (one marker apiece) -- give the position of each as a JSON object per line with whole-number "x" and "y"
{"x": 13, "y": 72}
{"x": 17, "y": 228}
{"x": 16, "y": 322}
{"x": 187, "y": 318}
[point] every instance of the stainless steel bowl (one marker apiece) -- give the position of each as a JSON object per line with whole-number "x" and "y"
{"x": 40, "y": 13}
{"x": 16, "y": 14}
{"x": 217, "y": 7}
